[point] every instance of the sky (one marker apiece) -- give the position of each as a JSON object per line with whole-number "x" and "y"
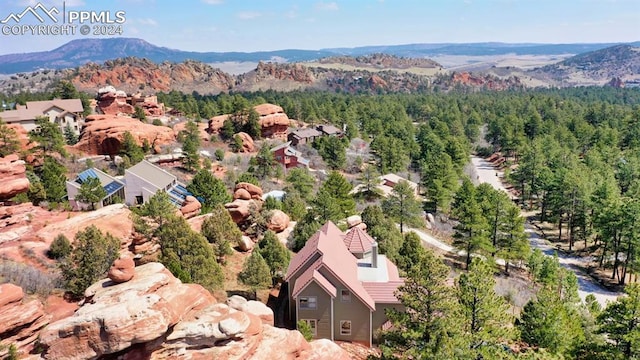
{"x": 258, "y": 25}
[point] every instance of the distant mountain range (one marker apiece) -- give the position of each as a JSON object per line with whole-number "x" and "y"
{"x": 79, "y": 52}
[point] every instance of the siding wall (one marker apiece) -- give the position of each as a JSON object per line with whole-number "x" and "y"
{"x": 355, "y": 310}
{"x": 323, "y": 312}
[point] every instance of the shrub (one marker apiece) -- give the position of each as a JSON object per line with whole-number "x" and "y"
{"x": 30, "y": 279}
{"x": 60, "y": 247}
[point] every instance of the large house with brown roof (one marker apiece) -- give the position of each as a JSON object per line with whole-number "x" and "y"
{"x": 63, "y": 112}
{"x": 340, "y": 285}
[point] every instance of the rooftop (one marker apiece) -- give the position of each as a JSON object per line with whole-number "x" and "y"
{"x": 358, "y": 241}
{"x": 33, "y": 109}
{"x": 306, "y": 133}
{"x": 154, "y": 175}
{"x": 109, "y": 183}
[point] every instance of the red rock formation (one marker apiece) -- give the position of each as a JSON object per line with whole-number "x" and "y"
{"x": 247, "y": 143}
{"x": 376, "y": 82}
{"x": 278, "y": 221}
{"x": 14, "y": 180}
{"x": 113, "y": 102}
{"x": 23, "y": 136}
{"x": 103, "y": 134}
{"x": 294, "y": 72}
{"x": 216, "y": 122}
{"x": 155, "y": 316}
{"x": 274, "y": 123}
{"x": 20, "y": 319}
{"x": 122, "y": 270}
{"x": 203, "y": 127}
{"x": 190, "y": 208}
{"x": 255, "y": 192}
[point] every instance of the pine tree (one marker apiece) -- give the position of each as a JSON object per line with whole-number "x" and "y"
{"x": 209, "y": 188}
{"x": 402, "y": 205}
{"x": 337, "y": 187}
{"x": 255, "y": 272}
{"x": 227, "y": 130}
{"x": 159, "y": 208}
{"x": 252, "y": 126}
{"x": 188, "y": 255}
{"x": 370, "y": 179}
{"x": 300, "y": 180}
{"x": 429, "y": 326}
{"x": 130, "y": 148}
{"x": 52, "y": 176}
{"x": 303, "y": 230}
{"x": 70, "y": 136}
{"x": 411, "y": 251}
{"x": 620, "y": 322}
{"x": 48, "y": 137}
{"x": 190, "y": 139}
{"x": 294, "y": 205}
{"x": 274, "y": 253}
{"x": 471, "y": 231}
{"x": 60, "y": 247}
{"x": 221, "y": 232}
{"x": 9, "y": 143}
{"x": 92, "y": 255}
{"x": 91, "y": 192}
{"x": 264, "y": 162}
{"x": 486, "y": 317}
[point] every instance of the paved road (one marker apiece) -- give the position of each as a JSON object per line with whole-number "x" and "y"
{"x": 485, "y": 173}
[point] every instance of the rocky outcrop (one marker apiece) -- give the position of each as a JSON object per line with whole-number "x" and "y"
{"x": 247, "y": 143}
{"x": 278, "y": 221}
{"x": 245, "y": 197}
{"x": 20, "y": 318}
{"x": 202, "y": 127}
{"x": 274, "y": 123}
{"x": 13, "y": 175}
{"x": 155, "y": 316}
{"x": 190, "y": 208}
{"x": 122, "y": 270}
{"x": 485, "y": 81}
{"x": 113, "y": 102}
{"x": 132, "y": 74}
{"x": 246, "y": 244}
{"x": 103, "y": 134}
{"x": 115, "y": 317}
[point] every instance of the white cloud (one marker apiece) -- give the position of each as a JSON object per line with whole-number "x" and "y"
{"x": 147, "y": 21}
{"x": 213, "y": 2}
{"x": 329, "y": 6}
{"x": 248, "y": 15}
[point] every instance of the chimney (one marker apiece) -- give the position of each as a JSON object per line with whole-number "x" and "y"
{"x": 374, "y": 254}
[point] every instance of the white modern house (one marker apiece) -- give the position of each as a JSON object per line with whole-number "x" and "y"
{"x": 145, "y": 179}
{"x": 113, "y": 187}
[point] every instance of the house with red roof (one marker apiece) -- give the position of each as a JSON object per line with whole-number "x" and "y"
{"x": 341, "y": 286}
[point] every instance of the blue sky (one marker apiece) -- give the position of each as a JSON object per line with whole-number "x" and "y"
{"x": 254, "y": 25}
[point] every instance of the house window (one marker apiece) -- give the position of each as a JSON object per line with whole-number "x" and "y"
{"x": 345, "y": 295}
{"x": 308, "y": 303}
{"x": 139, "y": 200}
{"x": 313, "y": 324}
{"x": 345, "y": 327}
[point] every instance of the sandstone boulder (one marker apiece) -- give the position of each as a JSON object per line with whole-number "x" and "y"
{"x": 122, "y": 270}
{"x": 113, "y": 318}
{"x": 246, "y": 244}
{"x": 216, "y": 123}
{"x": 191, "y": 207}
{"x": 241, "y": 209}
{"x": 274, "y": 123}
{"x": 278, "y": 221}
{"x": 254, "y": 191}
{"x": 242, "y": 194}
{"x": 256, "y": 308}
{"x": 20, "y": 319}
{"x": 354, "y": 220}
{"x": 13, "y": 175}
{"x": 113, "y": 102}
{"x": 103, "y": 134}
{"x": 324, "y": 349}
{"x": 247, "y": 143}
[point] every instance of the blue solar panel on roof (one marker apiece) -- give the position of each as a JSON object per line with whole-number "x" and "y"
{"x": 182, "y": 189}
{"x": 177, "y": 194}
{"x": 113, "y": 187}
{"x": 83, "y": 176}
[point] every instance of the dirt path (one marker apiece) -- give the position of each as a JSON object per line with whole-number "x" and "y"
{"x": 486, "y": 173}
